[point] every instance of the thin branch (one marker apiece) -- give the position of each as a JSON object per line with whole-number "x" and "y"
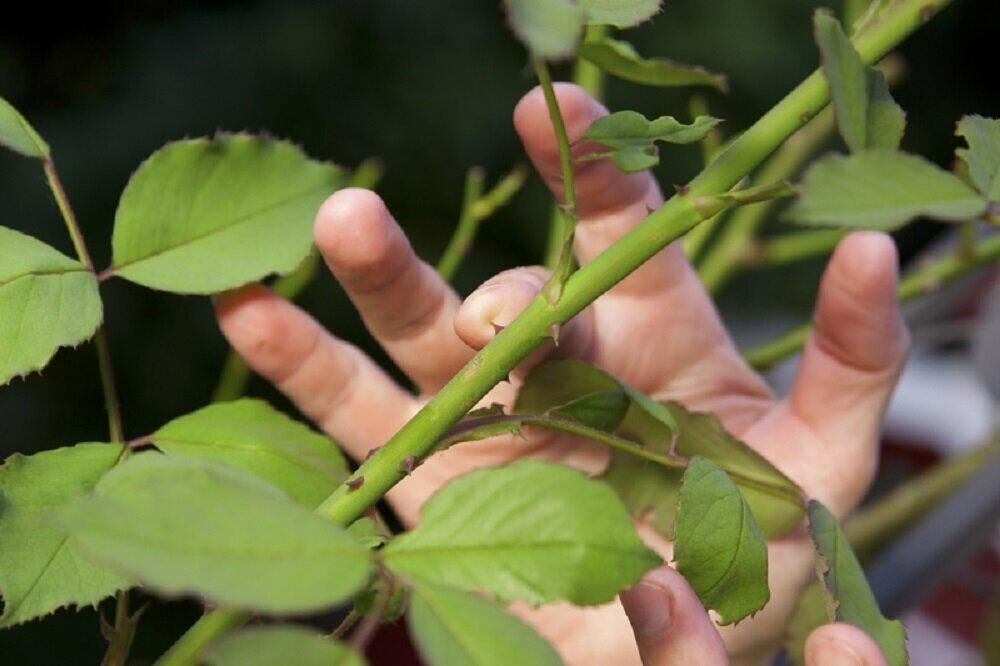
{"x": 792, "y": 248}
{"x": 121, "y": 640}
{"x": 923, "y": 280}
{"x": 369, "y": 625}
{"x": 345, "y": 625}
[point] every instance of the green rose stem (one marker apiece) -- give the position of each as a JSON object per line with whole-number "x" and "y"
{"x": 495, "y": 361}
{"x": 591, "y": 78}
{"x": 921, "y": 281}
{"x": 121, "y": 640}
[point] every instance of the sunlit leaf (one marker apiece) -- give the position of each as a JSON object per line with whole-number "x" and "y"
{"x": 181, "y": 525}
{"x": 532, "y": 531}
{"x": 849, "y": 595}
{"x": 549, "y": 28}
{"x": 866, "y": 113}
{"x": 983, "y": 154}
{"x": 620, "y": 13}
{"x": 252, "y": 435}
{"x": 881, "y": 189}
{"x": 620, "y": 59}
{"x": 47, "y": 301}
{"x": 455, "y": 627}
{"x": 632, "y": 137}
{"x": 204, "y": 215}
{"x": 267, "y": 646}
{"x": 718, "y": 546}
{"x": 17, "y": 134}
{"x": 41, "y": 570}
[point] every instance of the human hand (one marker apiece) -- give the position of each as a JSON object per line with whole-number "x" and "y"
{"x": 657, "y": 330}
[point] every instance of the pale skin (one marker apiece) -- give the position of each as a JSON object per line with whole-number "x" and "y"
{"x": 657, "y": 330}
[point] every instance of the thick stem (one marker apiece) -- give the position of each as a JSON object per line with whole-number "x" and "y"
{"x": 723, "y": 259}
{"x": 493, "y": 363}
{"x": 921, "y": 281}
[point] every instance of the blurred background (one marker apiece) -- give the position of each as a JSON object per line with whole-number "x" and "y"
{"x": 429, "y": 88}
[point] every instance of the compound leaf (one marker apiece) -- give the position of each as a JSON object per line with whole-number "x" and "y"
{"x": 718, "y": 546}
{"x": 181, "y": 525}
{"x": 620, "y": 59}
{"x": 983, "y": 154}
{"x": 41, "y": 570}
{"x": 252, "y": 435}
{"x": 266, "y": 646}
{"x": 204, "y": 215}
{"x": 848, "y": 593}
{"x": 881, "y": 189}
{"x": 532, "y": 531}
{"x": 455, "y": 627}
{"x": 648, "y": 485}
{"x": 18, "y": 135}
{"x": 47, "y": 301}
{"x": 866, "y": 113}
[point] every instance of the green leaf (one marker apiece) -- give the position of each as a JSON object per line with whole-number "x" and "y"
{"x": 267, "y": 646}
{"x": 550, "y": 29}
{"x": 205, "y": 215}
{"x": 620, "y": 13}
{"x": 40, "y": 569}
{"x": 632, "y": 137}
{"x": 17, "y": 134}
{"x": 181, "y": 525}
{"x": 881, "y": 189}
{"x": 455, "y": 627}
{"x": 866, "y": 113}
{"x": 983, "y": 154}
{"x": 719, "y": 547}
{"x": 530, "y": 530}
{"x": 47, "y": 301}
{"x": 252, "y": 435}
{"x": 367, "y": 531}
{"x": 603, "y": 410}
{"x": 648, "y": 485}
{"x": 849, "y": 595}
{"x": 620, "y": 59}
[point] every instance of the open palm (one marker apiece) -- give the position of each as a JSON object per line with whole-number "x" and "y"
{"x": 657, "y": 330}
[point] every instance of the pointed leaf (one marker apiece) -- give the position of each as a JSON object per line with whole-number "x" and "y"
{"x": 620, "y": 59}
{"x": 620, "y": 13}
{"x": 849, "y": 595}
{"x": 881, "y": 189}
{"x": 17, "y": 134}
{"x": 181, "y": 525}
{"x": 47, "y": 301}
{"x": 983, "y": 154}
{"x": 530, "y": 530}
{"x": 549, "y": 28}
{"x": 266, "y": 646}
{"x": 455, "y": 627}
{"x": 205, "y": 215}
{"x": 603, "y": 410}
{"x": 866, "y": 113}
{"x": 252, "y": 435}
{"x": 718, "y": 546}
{"x": 40, "y": 569}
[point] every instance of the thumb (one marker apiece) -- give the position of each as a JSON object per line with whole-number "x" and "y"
{"x": 670, "y": 624}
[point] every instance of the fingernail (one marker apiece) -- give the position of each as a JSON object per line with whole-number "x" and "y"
{"x": 649, "y": 608}
{"x": 832, "y": 652}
